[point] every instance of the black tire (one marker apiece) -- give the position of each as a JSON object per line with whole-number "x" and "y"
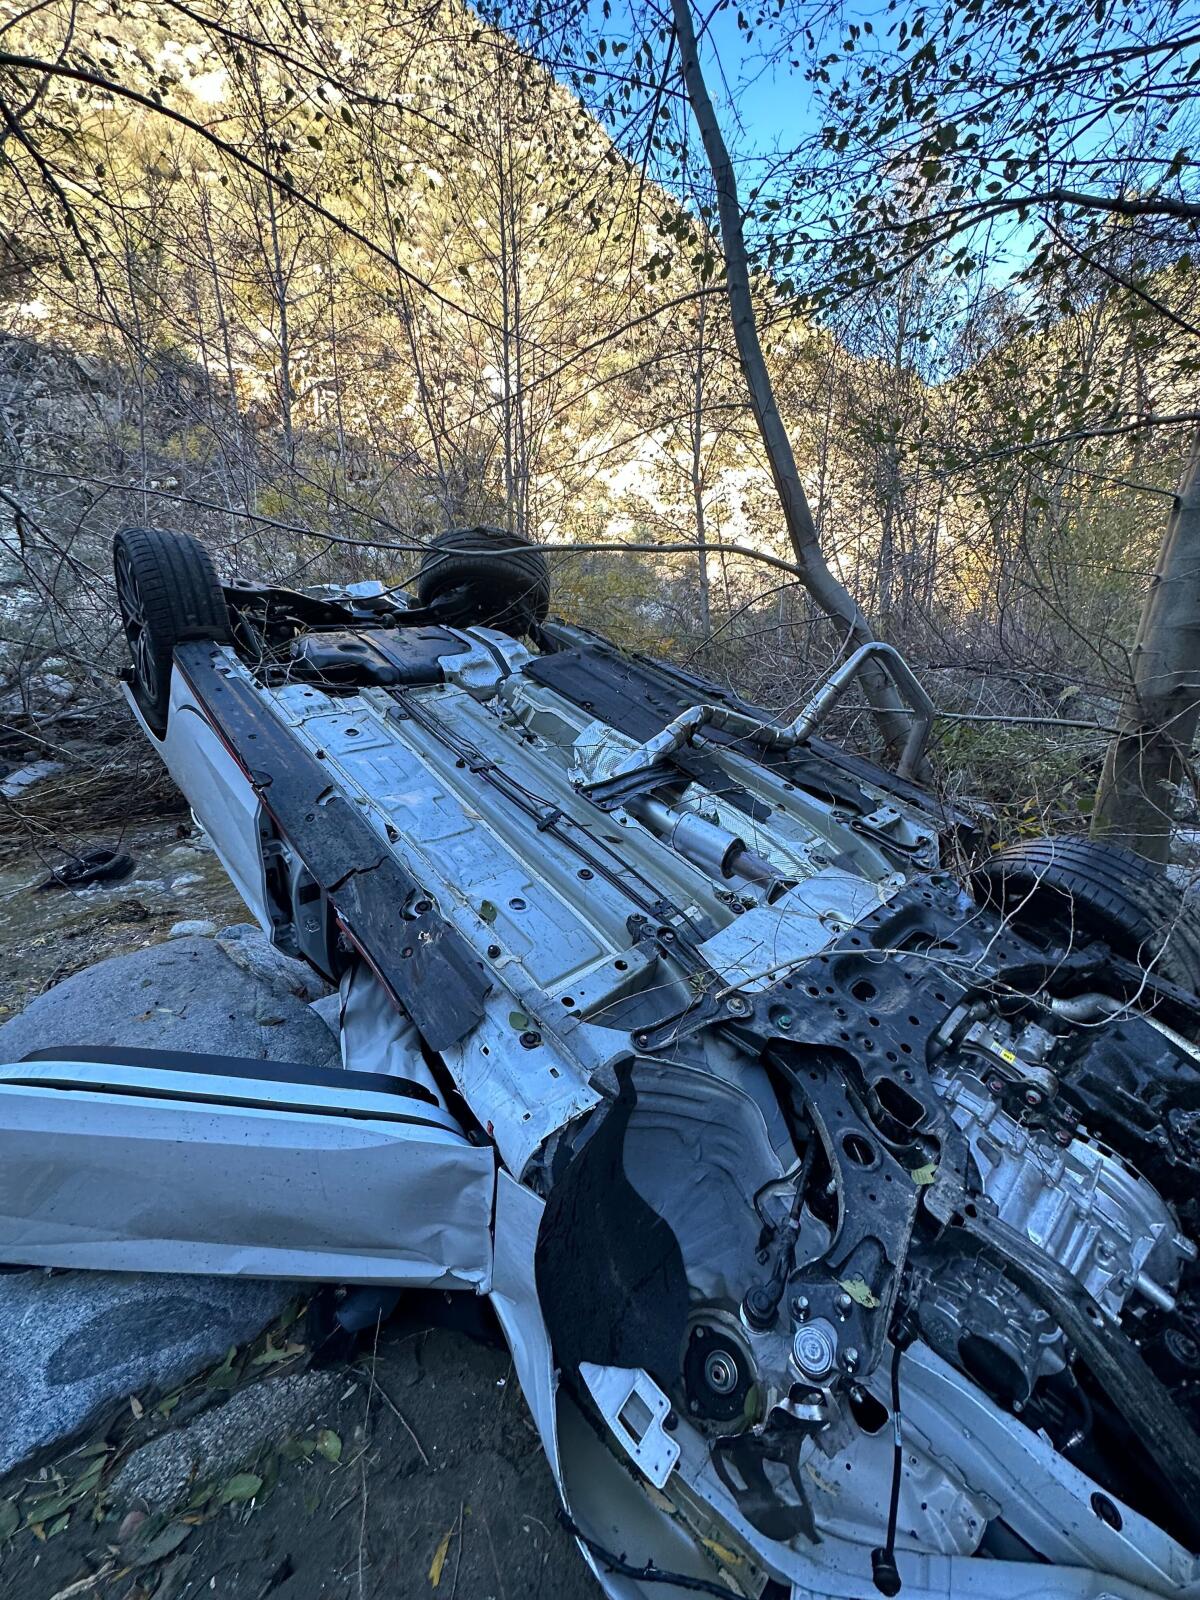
{"x": 168, "y": 591}
{"x": 494, "y": 579}
{"x": 1085, "y": 889}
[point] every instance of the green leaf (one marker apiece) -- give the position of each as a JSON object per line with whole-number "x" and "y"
{"x": 274, "y": 1353}
{"x": 46, "y": 1508}
{"x": 223, "y": 1377}
{"x": 244, "y": 1486}
{"x": 163, "y": 1544}
{"x": 329, "y": 1445}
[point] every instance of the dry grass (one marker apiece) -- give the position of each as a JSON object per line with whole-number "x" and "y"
{"x": 105, "y": 786}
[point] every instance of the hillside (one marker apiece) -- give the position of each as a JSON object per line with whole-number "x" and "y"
{"x": 457, "y": 301}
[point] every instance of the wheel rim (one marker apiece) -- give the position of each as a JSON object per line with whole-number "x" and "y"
{"x": 137, "y": 633}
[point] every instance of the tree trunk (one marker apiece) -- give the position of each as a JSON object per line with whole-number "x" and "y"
{"x": 830, "y": 595}
{"x": 697, "y": 421}
{"x": 1152, "y": 750}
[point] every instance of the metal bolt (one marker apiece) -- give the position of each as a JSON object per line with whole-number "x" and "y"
{"x": 641, "y": 1040}
{"x": 720, "y": 1373}
{"x": 531, "y": 1040}
{"x": 784, "y": 1021}
{"x": 843, "y": 1303}
{"x": 814, "y": 1349}
{"x": 1032, "y": 1097}
{"x": 850, "y": 1358}
{"x": 494, "y": 952}
{"x": 737, "y": 1006}
{"x": 799, "y": 1307}
{"x": 760, "y": 1307}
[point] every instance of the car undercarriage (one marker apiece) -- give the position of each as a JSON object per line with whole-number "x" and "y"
{"x": 834, "y": 1180}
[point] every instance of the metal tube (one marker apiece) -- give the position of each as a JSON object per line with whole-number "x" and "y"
{"x": 1091, "y": 1007}
{"x": 706, "y": 845}
{"x": 681, "y": 730}
{"x": 1154, "y": 1292}
{"x": 835, "y": 686}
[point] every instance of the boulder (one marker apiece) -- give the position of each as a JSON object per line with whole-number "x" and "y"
{"x": 249, "y": 948}
{"x": 185, "y": 995}
{"x": 78, "y": 1343}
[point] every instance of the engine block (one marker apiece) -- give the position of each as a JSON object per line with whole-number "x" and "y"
{"x": 1076, "y": 1201}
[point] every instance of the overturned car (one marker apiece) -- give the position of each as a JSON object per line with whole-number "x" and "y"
{"x": 837, "y": 1198}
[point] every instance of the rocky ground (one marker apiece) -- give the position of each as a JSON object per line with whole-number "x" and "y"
{"x": 285, "y": 1467}
{"x": 46, "y": 934}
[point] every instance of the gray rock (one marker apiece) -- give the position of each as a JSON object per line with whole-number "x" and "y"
{"x": 76, "y": 1343}
{"x": 249, "y": 948}
{"x": 51, "y": 687}
{"x": 221, "y": 1440}
{"x": 184, "y": 995}
{"x": 26, "y": 777}
{"x": 198, "y": 929}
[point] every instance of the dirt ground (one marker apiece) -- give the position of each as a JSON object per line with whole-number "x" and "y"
{"x": 422, "y": 1476}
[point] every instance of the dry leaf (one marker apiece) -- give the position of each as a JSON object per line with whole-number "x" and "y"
{"x": 130, "y": 1524}
{"x": 439, "y": 1556}
{"x": 136, "y": 1406}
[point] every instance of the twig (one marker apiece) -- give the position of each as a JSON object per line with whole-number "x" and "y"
{"x": 82, "y": 1585}
{"x": 399, "y": 1416}
{"x": 1049, "y": 722}
{"x": 458, "y": 1551}
{"x": 487, "y": 1528}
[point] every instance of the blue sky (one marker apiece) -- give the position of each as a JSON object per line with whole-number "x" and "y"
{"x": 771, "y": 106}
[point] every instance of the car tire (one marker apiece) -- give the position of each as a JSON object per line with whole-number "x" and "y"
{"x": 1086, "y": 889}
{"x": 168, "y": 591}
{"x": 486, "y": 577}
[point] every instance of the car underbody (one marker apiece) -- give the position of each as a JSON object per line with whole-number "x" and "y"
{"x": 837, "y": 1202}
